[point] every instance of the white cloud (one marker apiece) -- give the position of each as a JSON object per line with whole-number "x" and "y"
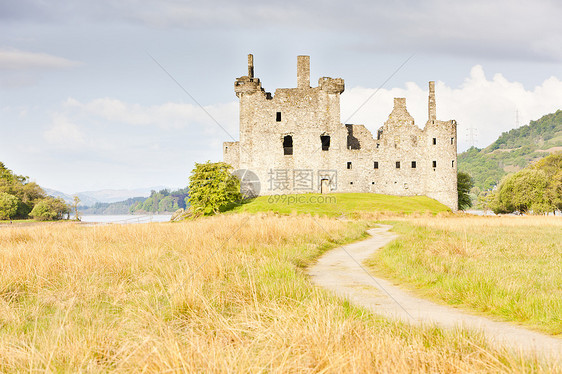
{"x": 13, "y": 59}
{"x": 64, "y": 134}
{"x": 488, "y": 105}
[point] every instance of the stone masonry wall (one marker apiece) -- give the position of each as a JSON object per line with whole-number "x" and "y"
{"x": 354, "y": 160}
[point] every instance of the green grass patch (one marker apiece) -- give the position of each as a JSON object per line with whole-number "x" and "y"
{"x": 503, "y": 267}
{"x": 341, "y": 203}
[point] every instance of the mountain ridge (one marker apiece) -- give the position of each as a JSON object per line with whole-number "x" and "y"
{"x": 89, "y": 198}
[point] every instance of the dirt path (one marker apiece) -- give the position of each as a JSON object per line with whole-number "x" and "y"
{"x": 342, "y": 271}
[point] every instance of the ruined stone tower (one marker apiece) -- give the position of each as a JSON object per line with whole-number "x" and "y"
{"x": 295, "y": 143}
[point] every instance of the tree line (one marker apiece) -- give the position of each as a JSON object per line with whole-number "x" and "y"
{"x": 22, "y": 199}
{"x": 163, "y": 201}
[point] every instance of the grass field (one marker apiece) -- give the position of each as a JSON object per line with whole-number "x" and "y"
{"x": 342, "y": 203}
{"x": 219, "y": 294}
{"x": 507, "y": 267}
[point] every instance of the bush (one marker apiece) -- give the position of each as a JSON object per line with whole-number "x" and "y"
{"x": 50, "y": 209}
{"x": 212, "y": 187}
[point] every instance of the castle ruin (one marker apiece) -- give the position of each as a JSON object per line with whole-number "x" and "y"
{"x": 295, "y": 143}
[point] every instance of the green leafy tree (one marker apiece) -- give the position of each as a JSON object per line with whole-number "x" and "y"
{"x": 464, "y": 185}
{"x": 148, "y": 205}
{"x": 522, "y": 192}
{"x": 8, "y": 205}
{"x": 212, "y": 187}
{"x": 27, "y": 193}
{"x": 166, "y": 204}
{"x": 552, "y": 167}
{"x": 50, "y": 209}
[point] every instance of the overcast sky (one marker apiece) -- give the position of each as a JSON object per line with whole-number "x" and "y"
{"x": 89, "y": 99}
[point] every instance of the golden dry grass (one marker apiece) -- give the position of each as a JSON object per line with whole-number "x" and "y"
{"x": 152, "y": 298}
{"x": 509, "y": 267}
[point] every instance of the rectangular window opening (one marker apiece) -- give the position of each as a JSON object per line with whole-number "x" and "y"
{"x": 278, "y": 117}
{"x": 434, "y": 141}
{"x": 397, "y": 164}
{"x": 453, "y": 163}
{"x": 349, "y": 165}
{"x": 376, "y": 165}
{"x": 287, "y": 145}
{"x": 452, "y": 140}
{"x": 413, "y": 165}
{"x": 434, "y": 164}
{"x": 325, "y": 140}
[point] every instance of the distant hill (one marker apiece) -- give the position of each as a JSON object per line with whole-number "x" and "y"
{"x": 90, "y": 198}
{"x": 513, "y": 150}
{"x": 113, "y": 196}
{"x": 69, "y": 199}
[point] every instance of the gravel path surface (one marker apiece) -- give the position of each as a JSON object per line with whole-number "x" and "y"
{"x": 342, "y": 271}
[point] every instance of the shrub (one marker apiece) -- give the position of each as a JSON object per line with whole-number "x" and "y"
{"x": 50, "y": 209}
{"x": 212, "y": 186}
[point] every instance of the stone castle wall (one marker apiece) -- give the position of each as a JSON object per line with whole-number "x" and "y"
{"x": 401, "y": 159}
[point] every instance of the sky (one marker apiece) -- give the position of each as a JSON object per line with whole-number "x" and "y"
{"x": 132, "y": 93}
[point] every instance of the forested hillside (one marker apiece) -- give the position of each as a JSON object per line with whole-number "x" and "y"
{"x": 513, "y": 151}
{"x": 163, "y": 201}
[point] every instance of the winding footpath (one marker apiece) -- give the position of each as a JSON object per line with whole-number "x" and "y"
{"x": 342, "y": 271}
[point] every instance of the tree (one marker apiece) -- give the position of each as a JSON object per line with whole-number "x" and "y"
{"x": 50, "y": 209}
{"x": 522, "y": 192}
{"x": 166, "y": 204}
{"x": 75, "y": 207}
{"x": 212, "y": 186}
{"x": 8, "y": 205}
{"x": 552, "y": 166}
{"x": 27, "y": 193}
{"x": 464, "y": 185}
{"x": 148, "y": 205}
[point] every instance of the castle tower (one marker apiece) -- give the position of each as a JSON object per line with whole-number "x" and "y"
{"x": 250, "y": 66}
{"x": 303, "y": 71}
{"x": 431, "y": 106}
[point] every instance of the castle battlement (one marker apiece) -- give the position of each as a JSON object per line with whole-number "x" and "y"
{"x": 295, "y": 142}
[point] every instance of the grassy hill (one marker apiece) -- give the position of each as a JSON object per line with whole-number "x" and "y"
{"x": 341, "y": 203}
{"x": 513, "y": 150}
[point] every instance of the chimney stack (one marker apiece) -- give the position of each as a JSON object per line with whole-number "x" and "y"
{"x": 303, "y": 71}
{"x": 250, "y": 66}
{"x": 431, "y": 106}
